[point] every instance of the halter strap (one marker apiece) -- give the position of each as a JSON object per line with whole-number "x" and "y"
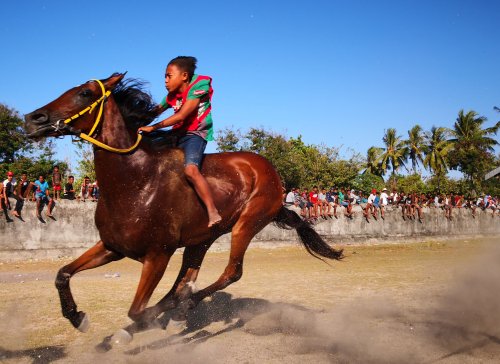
{"x": 91, "y": 108}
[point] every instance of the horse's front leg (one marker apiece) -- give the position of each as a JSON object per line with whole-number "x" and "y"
{"x": 94, "y": 257}
{"x": 153, "y": 268}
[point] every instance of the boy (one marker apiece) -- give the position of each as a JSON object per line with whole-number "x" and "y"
{"x": 56, "y": 182}
{"x": 43, "y": 196}
{"x": 190, "y": 96}
{"x": 69, "y": 190}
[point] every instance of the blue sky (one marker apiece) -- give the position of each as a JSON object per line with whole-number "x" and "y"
{"x": 336, "y": 72}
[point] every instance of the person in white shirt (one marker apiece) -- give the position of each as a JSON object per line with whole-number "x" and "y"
{"x": 369, "y": 205}
{"x": 290, "y": 198}
{"x": 9, "y": 189}
{"x": 384, "y": 201}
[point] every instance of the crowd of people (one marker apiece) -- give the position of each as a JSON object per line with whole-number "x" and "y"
{"x": 324, "y": 204}
{"x": 43, "y": 193}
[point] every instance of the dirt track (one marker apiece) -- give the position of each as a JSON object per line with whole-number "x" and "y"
{"x": 415, "y": 303}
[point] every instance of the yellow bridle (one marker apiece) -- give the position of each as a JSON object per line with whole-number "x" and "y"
{"x": 91, "y": 108}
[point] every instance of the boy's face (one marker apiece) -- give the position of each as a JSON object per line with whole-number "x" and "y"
{"x": 175, "y": 78}
{"x": 71, "y": 180}
{"x": 56, "y": 169}
{"x": 41, "y": 178}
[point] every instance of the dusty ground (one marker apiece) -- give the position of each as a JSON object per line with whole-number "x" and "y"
{"x": 433, "y": 302}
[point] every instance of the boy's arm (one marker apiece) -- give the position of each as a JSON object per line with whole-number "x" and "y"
{"x": 187, "y": 109}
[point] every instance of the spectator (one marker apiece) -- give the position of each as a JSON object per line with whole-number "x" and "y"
{"x": 85, "y": 189}
{"x": 369, "y": 206}
{"x": 43, "y": 197}
{"x": 313, "y": 198}
{"x": 384, "y": 201}
{"x": 69, "y": 190}
{"x": 324, "y": 207}
{"x": 24, "y": 187}
{"x": 94, "y": 192}
{"x": 56, "y": 182}
{"x": 290, "y": 198}
{"x": 10, "y": 191}
{"x": 332, "y": 199}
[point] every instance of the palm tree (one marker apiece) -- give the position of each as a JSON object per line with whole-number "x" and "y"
{"x": 372, "y": 164}
{"x": 473, "y": 146}
{"x": 436, "y": 149}
{"x": 414, "y": 146}
{"x": 394, "y": 153}
{"x": 468, "y": 132}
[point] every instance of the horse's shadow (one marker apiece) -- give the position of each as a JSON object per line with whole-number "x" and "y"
{"x": 39, "y": 355}
{"x": 234, "y": 313}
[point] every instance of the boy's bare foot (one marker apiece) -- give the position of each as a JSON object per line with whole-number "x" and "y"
{"x": 16, "y": 214}
{"x": 214, "y": 218}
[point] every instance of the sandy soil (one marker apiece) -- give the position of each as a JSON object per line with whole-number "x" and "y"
{"x": 432, "y": 302}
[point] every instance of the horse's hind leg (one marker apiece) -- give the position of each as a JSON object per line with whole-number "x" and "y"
{"x": 242, "y": 233}
{"x": 94, "y": 257}
{"x": 183, "y": 286}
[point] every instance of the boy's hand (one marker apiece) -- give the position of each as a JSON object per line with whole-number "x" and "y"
{"x": 145, "y": 129}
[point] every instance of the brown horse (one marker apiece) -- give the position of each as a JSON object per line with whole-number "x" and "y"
{"x": 147, "y": 209}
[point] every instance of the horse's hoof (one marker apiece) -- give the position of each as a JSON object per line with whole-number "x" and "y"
{"x": 84, "y": 324}
{"x": 121, "y": 337}
{"x": 175, "y": 327}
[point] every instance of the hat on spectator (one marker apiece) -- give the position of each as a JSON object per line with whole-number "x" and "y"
{"x": 374, "y": 191}
{"x": 10, "y": 174}
{"x": 384, "y": 189}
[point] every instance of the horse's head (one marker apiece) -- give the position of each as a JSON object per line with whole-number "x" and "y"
{"x": 73, "y": 112}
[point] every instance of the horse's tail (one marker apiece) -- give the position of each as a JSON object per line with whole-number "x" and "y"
{"x": 311, "y": 240}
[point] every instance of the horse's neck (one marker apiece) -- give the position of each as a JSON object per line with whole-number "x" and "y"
{"x": 114, "y": 131}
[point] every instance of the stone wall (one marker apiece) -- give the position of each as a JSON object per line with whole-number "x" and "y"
{"x": 72, "y": 230}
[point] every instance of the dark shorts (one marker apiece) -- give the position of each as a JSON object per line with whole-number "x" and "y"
{"x": 194, "y": 147}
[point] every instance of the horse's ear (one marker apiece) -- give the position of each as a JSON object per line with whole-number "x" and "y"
{"x": 113, "y": 80}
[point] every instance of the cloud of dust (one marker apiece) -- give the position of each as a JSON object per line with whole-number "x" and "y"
{"x": 465, "y": 317}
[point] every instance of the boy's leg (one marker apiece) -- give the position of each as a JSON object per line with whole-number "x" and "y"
{"x": 203, "y": 190}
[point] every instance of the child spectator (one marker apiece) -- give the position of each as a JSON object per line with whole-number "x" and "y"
{"x": 43, "y": 197}
{"x": 85, "y": 189}
{"x": 384, "y": 201}
{"x": 10, "y": 190}
{"x": 94, "y": 193}
{"x": 69, "y": 190}
{"x": 56, "y": 182}
{"x": 290, "y": 197}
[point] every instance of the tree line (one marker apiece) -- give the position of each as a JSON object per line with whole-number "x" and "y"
{"x": 468, "y": 146}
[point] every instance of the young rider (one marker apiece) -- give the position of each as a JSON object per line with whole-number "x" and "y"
{"x": 190, "y": 96}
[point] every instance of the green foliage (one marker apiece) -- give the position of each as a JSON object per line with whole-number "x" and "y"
{"x": 366, "y": 182}
{"x": 297, "y": 163}
{"x": 20, "y": 154}
{"x": 394, "y": 155}
{"x": 411, "y": 183}
{"x": 473, "y": 146}
{"x": 13, "y": 140}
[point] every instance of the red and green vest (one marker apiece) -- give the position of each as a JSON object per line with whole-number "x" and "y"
{"x": 199, "y": 123}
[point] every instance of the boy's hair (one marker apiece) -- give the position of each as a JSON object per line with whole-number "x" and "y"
{"x": 185, "y": 63}
{"x": 71, "y": 177}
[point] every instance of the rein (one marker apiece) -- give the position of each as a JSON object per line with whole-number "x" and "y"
{"x": 88, "y": 136}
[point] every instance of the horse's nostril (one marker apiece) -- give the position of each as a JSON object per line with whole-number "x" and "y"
{"x": 40, "y": 117}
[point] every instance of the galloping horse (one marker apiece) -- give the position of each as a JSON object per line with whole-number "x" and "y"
{"x": 147, "y": 208}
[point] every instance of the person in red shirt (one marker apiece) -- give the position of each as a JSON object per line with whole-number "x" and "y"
{"x": 313, "y": 198}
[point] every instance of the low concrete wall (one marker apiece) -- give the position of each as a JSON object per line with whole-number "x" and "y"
{"x": 72, "y": 231}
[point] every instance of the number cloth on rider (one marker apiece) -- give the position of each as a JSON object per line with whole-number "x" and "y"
{"x": 200, "y": 123}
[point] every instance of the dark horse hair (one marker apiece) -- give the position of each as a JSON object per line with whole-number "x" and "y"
{"x": 314, "y": 244}
{"x": 135, "y": 104}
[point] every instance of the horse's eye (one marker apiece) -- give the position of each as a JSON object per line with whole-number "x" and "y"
{"x": 85, "y": 93}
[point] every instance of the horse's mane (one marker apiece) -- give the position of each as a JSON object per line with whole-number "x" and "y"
{"x": 135, "y": 104}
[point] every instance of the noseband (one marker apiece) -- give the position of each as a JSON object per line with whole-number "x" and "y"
{"x": 61, "y": 124}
